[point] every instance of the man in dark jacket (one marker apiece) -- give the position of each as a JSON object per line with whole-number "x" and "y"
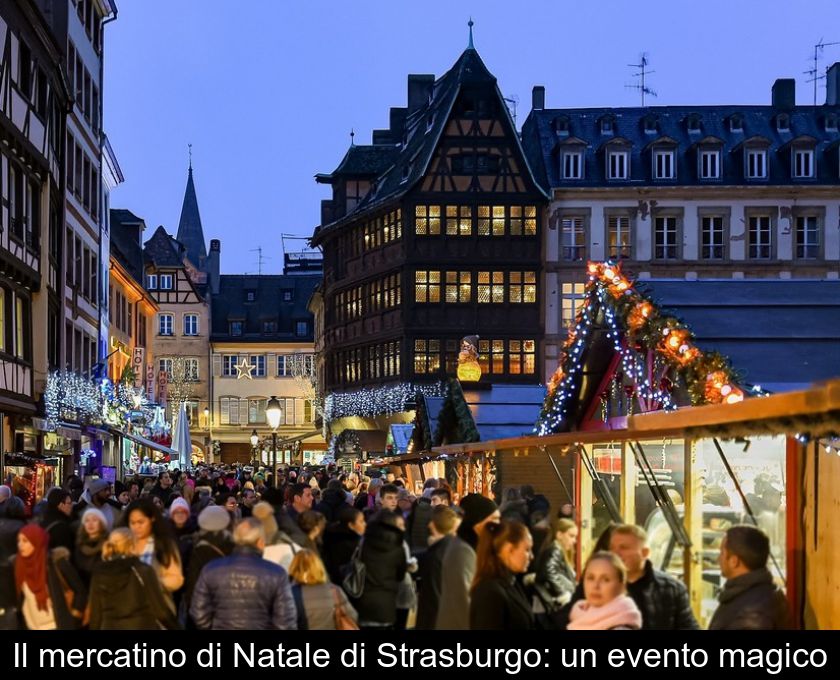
{"x": 442, "y": 528}
{"x": 56, "y": 521}
{"x": 662, "y": 599}
{"x": 244, "y": 591}
{"x": 749, "y": 599}
{"x": 163, "y": 487}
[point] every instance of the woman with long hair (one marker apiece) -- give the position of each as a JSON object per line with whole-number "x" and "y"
{"x": 50, "y": 593}
{"x": 154, "y": 543}
{"x": 125, "y": 593}
{"x": 317, "y": 600}
{"x": 90, "y": 537}
{"x": 555, "y": 572}
{"x": 606, "y": 605}
{"x": 497, "y": 600}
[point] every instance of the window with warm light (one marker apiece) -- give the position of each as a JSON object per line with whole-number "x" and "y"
{"x": 458, "y": 286}
{"x": 458, "y": 220}
{"x": 427, "y": 220}
{"x": 491, "y": 287}
{"x": 426, "y": 356}
{"x": 522, "y": 287}
{"x": 427, "y": 286}
{"x": 572, "y": 300}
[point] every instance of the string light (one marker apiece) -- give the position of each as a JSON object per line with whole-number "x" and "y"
{"x": 369, "y": 403}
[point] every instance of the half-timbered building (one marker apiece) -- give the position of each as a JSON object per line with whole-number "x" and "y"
{"x": 33, "y": 99}
{"x": 433, "y": 233}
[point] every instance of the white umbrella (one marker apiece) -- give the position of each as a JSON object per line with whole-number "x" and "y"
{"x": 181, "y": 441}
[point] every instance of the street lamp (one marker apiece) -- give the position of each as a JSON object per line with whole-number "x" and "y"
{"x": 273, "y": 414}
{"x": 255, "y": 439}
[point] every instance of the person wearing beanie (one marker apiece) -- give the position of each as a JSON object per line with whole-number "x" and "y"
{"x": 90, "y": 537}
{"x": 458, "y": 567}
{"x": 212, "y": 541}
{"x": 98, "y": 495}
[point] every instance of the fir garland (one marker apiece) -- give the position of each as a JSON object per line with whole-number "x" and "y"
{"x": 637, "y": 326}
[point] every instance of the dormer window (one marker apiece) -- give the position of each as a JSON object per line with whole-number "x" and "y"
{"x": 287, "y": 296}
{"x": 783, "y": 122}
{"x": 618, "y": 164}
{"x": 831, "y": 122}
{"x": 755, "y": 164}
{"x": 736, "y": 123}
{"x": 803, "y": 163}
{"x": 607, "y": 127}
{"x": 561, "y": 126}
{"x": 664, "y": 164}
{"x": 250, "y": 296}
{"x": 710, "y": 164}
{"x": 572, "y": 164}
{"x": 692, "y": 123}
{"x": 650, "y": 125}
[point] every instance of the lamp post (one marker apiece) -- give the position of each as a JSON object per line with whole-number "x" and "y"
{"x": 255, "y": 439}
{"x": 273, "y": 414}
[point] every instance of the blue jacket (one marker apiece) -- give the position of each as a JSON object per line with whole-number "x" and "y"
{"x": 243, "y": 592}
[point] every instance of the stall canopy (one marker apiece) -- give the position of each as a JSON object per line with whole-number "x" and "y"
{"x": 149, "y": 443}
{"x": 493, "y": 412}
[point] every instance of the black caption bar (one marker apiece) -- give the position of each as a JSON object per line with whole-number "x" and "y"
{"x": 512, "y": 653}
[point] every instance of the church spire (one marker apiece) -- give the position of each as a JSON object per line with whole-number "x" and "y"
{"x": 471, "y": 23}
{"x": 190, "y": 233}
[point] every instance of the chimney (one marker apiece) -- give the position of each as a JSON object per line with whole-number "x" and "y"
{"x": 213, "y": 264}
{"x": 784, "y": 93}
{"x": 832, "y": 85}
{"x": 419, "y": 88}
{"x": 538, "y": 97}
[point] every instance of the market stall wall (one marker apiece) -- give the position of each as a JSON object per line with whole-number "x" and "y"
{"x": 516, "y": 467}
{"x": 821, "y": 507}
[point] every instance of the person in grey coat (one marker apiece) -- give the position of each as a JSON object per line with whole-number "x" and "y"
{"x": 749, "y": 599}
{"x": 459, "y": 563}
{"x": 244, "y": 591}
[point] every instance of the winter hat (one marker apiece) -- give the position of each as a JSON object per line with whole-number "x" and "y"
{"x": 477, "y": 508}
{"x": 213, "y": 518}
{"x": 179, "y": 503}
{"x": 5, "y": 492}
{"x": 98, "y": 485}
{"x": 96, "y": 512}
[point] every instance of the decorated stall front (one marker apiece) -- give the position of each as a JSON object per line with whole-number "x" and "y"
{"x": 640, "y": 425}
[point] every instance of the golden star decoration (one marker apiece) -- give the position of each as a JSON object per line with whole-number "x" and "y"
{"x": 244, "y": 368}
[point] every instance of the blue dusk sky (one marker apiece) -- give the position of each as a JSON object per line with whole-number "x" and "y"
{"x": 267, "y": 91}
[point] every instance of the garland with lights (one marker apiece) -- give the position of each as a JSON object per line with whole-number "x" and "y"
{"x": 368, "y": 403}
{"x": 637, "y": 329}
{"x": 72, "y": 398}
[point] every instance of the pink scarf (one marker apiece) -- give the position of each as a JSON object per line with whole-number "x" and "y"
{"x": 620, "y": 612}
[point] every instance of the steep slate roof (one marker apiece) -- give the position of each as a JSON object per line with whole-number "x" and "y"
{"x": 231, "y": 304}
{"x": 190, "y": 232}
{"x": 779, "y": 334}
{"x": 162, "y": 250}
{"x": 423, "y": 130}
{"x": 369, "y": 159}
{"x": 126, "y": 248}
{"x": 540, "y": 141}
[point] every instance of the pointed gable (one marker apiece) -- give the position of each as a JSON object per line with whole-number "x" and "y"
{"x": 625, "y": 356}
{"x": 161, "y": 250}
{"x": 190, "y": 232}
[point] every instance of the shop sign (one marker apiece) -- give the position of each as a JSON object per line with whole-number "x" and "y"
{"x": 138, "y": 359}
{"x": 150, "y": 382}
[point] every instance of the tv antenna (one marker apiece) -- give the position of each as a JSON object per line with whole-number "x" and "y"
{"x": 260, "y": 258}
{"x": 818, "y": 48}
{"x": 513, "y": 100}
{"x": 643, "y": 72}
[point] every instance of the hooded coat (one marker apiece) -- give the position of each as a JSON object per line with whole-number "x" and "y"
{"x": 337, "y": 550}
{"x": 331, "y": 502}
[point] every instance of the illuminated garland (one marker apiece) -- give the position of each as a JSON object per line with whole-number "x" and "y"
{"x": 635, "y": 326}
{"x": 369, "y": 403}
{"x": 72, "y": 398}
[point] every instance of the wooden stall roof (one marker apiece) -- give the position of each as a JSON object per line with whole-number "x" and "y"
{"x": 815, "y": 411}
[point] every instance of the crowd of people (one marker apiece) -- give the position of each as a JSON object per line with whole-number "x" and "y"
{"x": 226, "y": 548}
